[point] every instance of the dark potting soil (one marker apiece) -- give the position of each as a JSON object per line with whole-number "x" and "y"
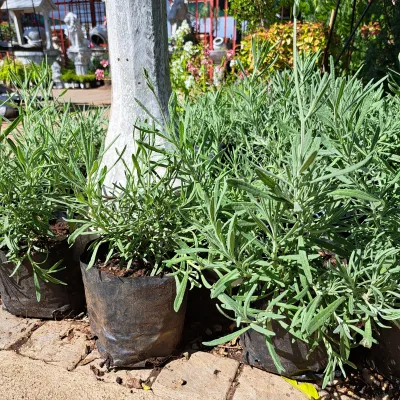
{"x": 60, "y": 229}
{"x": 363, "y": 383}
{"x": 113, "y": 267}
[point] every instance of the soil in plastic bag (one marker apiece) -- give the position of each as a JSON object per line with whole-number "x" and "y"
{"x": 292, "y": 352}
{"x": 132, "y": 317}
{"x": 57, "y": 301}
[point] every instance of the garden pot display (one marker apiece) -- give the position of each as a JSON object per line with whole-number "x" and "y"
{"x": 385, "y": 355}
{"x": 292, "y": 353}
{"x": 219, "y": 43}
{"x": 57, "y": 301}
{"x": 133, "y": 318}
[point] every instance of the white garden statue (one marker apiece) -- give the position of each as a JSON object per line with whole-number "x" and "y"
{"x": 79, "y": 51}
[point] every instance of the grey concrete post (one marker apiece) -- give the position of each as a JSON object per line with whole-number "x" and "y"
{"x": 49, "y": 41}
{"x": 138, "y": 39}
{"x": 16, "y": 16}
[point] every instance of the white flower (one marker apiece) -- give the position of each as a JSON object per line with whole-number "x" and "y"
{"x": 189, "y": 82}
{"x": 181, "y": 32}
{"x": 219, "y": 74}
{"x": 185, "y": 27}
{"x": 188, "y": 47}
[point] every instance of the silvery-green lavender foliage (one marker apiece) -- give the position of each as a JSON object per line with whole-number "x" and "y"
{"x": 294, "y": 211}
{"x": 30, "y": 174}
{"x": 138, "y": 220}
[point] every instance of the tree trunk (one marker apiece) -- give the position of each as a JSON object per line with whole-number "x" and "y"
{"x": 138, "y": 40}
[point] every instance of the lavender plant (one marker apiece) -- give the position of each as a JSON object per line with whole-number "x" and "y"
{"x": 295, "y": 191}
{"x": 31, "y": 182}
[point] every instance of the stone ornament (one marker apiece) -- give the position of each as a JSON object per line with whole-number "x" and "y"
{"x": 56, "y": 75}
{"x": 17, "y": 8}
{"x": 79, "y": 51}
{"x": 35, "y": 37}
{"x": 76, "y": 37}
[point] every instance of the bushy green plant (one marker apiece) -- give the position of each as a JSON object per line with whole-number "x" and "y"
{"x": 14, "y": 67}
{"x": 86, "y": 78}
{"x": 375, "y": 41}
{"x": 139, "y": 220}
{"x": 7, "y": 31}
{"x": 69, "y": 75}
{"x": 256, "y": 13}
{"x": 295, "y": 211}
{"x": 31, "y": 183}
{"x": 311, "y": 39}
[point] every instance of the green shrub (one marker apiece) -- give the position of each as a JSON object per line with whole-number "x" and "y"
{"x": 46, "y": 135}
{"x": 256, "y": 13}
{"x": 295, "y": 210}
{"x": 69, "y": 75}
{"x": 14, "y": 67}
{"x": 311, "y": 39}
{"x": 86, "y": 78}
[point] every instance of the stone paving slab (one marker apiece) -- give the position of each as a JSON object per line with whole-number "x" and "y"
{"x": 62, "y": 343}
{"x": 27, "y": 379}
{"x": 202, "y": 377}
{"x": 14, "y": 329}
{"x": 254, "y": 384}
{"x": 91, "y": 366}
{"x": 47, "y": 351}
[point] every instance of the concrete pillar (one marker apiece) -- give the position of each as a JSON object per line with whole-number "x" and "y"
{"x": 49, "y": 41}
{"x": 16, "y": 16}
{"x": 138, "y": 39}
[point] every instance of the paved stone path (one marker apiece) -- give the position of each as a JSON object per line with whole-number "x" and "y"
{"x": 98, "y": 96}
{"x": 57, "y": 360}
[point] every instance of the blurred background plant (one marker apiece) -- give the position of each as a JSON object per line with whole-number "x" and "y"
{"x": 311, "y": 39}
{"x": 191, "y": 67}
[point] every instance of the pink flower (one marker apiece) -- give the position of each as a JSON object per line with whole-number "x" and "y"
{"x": 204, "y": 61}
{"x": 246, "y": 73}
{"x": 99, "y": 74}
{"x": 104, "y": 63}
{"x": 207, "y": 52}
{"x": 230, "y": 54}
{"x": 192, "y": 69}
